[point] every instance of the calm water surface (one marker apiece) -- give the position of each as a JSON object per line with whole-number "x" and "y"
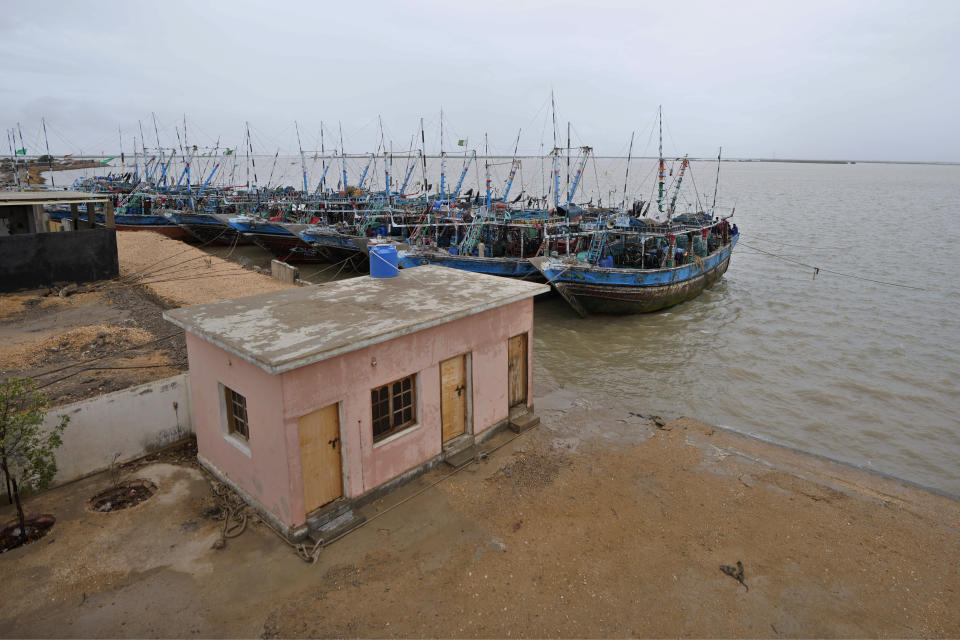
{"x": 850, "y": 369}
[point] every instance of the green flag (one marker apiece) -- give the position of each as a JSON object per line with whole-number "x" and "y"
{"x": 106, "y": 162}
{"x": 228, "y": 152}
{"x": 461, "y": 143}
{"x": 21, "y": 152}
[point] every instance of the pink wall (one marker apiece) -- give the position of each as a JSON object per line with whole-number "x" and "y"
{"x": 262, "y": 473}
{"x": 273, "y": 472}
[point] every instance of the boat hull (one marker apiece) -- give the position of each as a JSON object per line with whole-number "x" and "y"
{"x": 628, "y": 291}
{"x": 503, "y": 267}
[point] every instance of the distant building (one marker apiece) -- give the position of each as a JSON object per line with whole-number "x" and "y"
{"x": 309, "y": 399}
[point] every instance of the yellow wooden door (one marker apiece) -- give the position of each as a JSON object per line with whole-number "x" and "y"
{"x": 453, "y": 396}
{"x": 320, "y": 459}
{"x": 517, "y": 369}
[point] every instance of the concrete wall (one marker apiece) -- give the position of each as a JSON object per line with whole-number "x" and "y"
{"x": 39, "y": 259}
{"x": 272, "y": 473}
{"x": 131, "y": 422}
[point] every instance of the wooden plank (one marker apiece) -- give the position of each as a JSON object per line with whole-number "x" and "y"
{"x": 453, "y": 397}
{"x": 517, "y": 369}
{"x": 284, "y": 272}
{"x": 320, "y": 459}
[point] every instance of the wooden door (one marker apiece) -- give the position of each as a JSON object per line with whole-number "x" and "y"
{"x": 517, "y": 369}
{"x": 453, "y": 396}
{"x": 320, "y": 459}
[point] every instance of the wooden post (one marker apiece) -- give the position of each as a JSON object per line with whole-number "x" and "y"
{"x": 108, "y": 215}
{"x": 75, "y": 216}
{"x": 91, "y": 216}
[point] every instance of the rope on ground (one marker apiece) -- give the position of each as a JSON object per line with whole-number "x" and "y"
{"x": 817, "y": 270}
{"x": 233, "y": 510}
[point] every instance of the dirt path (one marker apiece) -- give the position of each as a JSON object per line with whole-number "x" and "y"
{"x": 596, "y": 524}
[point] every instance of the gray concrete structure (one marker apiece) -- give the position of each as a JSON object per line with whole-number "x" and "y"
{"x": 284, "y": 330}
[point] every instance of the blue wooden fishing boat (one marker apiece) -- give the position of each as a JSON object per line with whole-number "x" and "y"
{"x": 608, "y": 289}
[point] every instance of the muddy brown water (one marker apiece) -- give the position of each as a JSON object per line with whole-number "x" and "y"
{"x": 855, "y": 370}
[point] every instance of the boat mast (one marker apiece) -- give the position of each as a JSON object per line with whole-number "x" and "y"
{"x": 343, "y": 157}
{"x": 123, "y": 160}
{"x": 303, "y": 161}
{"x": 556, "y": 151}
{"x": 49, "y": 157}
{"x": 423, "y": 157}
{"x": 323, "y": 160}
{"x": 443, "y": 161}
{"x": 579, "y": 174}
{"x": 24, "y": 147}
{"x": 660, "y": 188}
{"x": 716, "y": 185}
{"x": 13, "y": 158}
{"x": 567, "y": 186}
{"x": 626, "y": 177}
{"x": 143, "y": 148}
{"x": 486, "y": 147}
{"x": 676, "y": 190}
{"x": 513, "y": 167}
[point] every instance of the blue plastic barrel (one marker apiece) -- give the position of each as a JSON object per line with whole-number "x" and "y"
{"x": 383, "y": 261}
{"x": 454, "y": 251}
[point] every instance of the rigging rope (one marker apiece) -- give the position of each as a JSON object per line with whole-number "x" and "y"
{"x": 817, "y": 270}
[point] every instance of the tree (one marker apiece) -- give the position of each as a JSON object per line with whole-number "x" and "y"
{"x": 27, "y": 457}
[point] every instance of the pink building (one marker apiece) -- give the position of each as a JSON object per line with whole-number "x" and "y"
{"x": 309, "y": 400}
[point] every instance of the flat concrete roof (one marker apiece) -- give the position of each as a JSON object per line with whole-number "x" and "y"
{"x": 284, "y": 330}
{"x": 10, "y": 198}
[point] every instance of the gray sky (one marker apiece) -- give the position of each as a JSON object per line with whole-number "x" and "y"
{"x": 864, "y": 80}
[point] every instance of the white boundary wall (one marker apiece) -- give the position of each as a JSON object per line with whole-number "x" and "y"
{"x": 131, "y": 422}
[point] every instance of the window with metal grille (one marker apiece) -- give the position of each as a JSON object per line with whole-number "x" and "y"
{"x": 393, "y": 407}
{"x": 236, "y": 406}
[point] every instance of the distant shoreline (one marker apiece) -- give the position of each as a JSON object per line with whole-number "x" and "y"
{"x": 457, "y": 154}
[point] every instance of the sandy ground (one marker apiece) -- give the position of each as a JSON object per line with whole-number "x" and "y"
{"x": 182, "y": 275}
{"x": 80, "y": 346}
{"x": 595, "y": 524}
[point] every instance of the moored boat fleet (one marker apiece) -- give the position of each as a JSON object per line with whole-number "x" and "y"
{"x": 636, "y": 256}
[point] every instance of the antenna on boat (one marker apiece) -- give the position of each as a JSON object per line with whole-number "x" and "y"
{"x": 660, "y": 151}
{"x": 626, "y": 177}
{"x": 716, "y": 185}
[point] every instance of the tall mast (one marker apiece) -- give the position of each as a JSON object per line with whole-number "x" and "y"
{"x": 143, "y": 148}
{"x": 123, "y": 160}
{"x": 567, "y": 186}
{"x": 514, "y": 163}
{"x": 443, "y": 162}
{"x": 24, "y": 147}
{"x": 13, "y": 157}
{"x": 716, "y": 185}
{"x": 626, "y": 177}
{"x": 660, "y": 188}
{"x": 343, "y": 157}
{"x": 49, "y": 157}
{"x": 423, "y": 157}
{"x": 323, "y": 159}
{"x": 303, "y": 162}
{"x": 486, "y": 152}
{"x": 248, "y": 154}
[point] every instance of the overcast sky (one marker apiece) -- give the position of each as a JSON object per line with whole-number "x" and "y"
{"x": 854, "y": 80}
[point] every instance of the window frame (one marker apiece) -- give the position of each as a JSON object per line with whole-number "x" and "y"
{"x": 393, "y": 409}
{"x": 233, "y": 420}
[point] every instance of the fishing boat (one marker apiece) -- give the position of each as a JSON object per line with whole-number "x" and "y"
{"x": 609, "y": 286}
